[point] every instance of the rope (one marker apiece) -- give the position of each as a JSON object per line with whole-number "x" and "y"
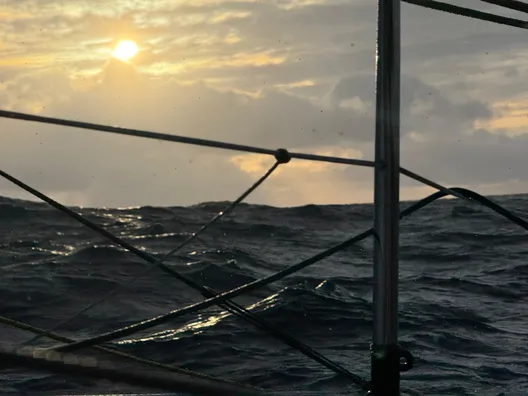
{"x": 91, "y": 367}
{"x": 145, "y": 256}
{"x": 208, "y": 143}
{"x": 232, "y": 307}
{"x": 512, "y": 4}
{"x": 53, "y": 359}
{"x": 211, "y": 143}
{"x": 470, "y": 13}
{"x": 56, "y": 337}
{"x": 120, "y": 288}
{"x": 432, "y": 184}
{"x": 195, "y": 307}
{"x": 282, "y": 156}
{"x": 178, "y": 139}
{"x": 149, "y": 323}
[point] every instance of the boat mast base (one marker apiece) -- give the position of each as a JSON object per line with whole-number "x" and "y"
{"x": 388, "y": 361}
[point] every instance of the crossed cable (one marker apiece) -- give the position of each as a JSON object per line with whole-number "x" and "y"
{"x": 55, "y": 356}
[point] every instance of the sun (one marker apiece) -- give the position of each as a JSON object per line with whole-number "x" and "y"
{"x": 125, "y": 50}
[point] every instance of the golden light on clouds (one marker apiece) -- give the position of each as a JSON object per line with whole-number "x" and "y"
{"x": 125, "y": 50}
{"x": 509, "y": 117}
{"x": 297, "y": 84}
{"x": 238, "y": 60}
{"x": 256, "y": 59}
{"x": 258, "y": 163}
{"x": 226, "y": 16}
{"x": 308, "y": 181}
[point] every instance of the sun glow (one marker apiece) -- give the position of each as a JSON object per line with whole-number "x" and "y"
{"x": 125, "y": 50}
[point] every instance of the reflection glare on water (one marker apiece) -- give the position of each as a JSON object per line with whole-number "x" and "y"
{"x": 200, "y": 324}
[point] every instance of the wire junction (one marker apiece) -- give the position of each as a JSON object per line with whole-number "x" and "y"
{"x": 65, "y": 358}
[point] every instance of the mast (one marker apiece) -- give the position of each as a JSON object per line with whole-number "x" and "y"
{"x": 385, "y": 354}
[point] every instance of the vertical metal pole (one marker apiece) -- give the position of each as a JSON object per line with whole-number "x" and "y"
{"x": 385, "y": 352}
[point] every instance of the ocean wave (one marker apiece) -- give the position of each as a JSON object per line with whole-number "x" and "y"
{"x": 463, "y": 284}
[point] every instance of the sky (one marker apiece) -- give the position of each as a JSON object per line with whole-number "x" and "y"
{"x": 297, "y": 74}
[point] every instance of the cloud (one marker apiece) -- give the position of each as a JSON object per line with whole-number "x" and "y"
{"x": 107, "y": 169}
{"x": 275, "y": 74}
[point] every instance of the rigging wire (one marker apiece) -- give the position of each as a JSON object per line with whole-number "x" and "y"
{"x": 121, "y": 287}
{"x": 111, "y": 351}
{"x": 204, "y": 142}
{"x": 178, "y": 139}
{"x": 468, "y": 12}
{"x": 511, "y": 4}
{"x": 58, "y": 359}
{"x": 195, "y": 307}
{"x": 430, "y": 183}
{"x": 281, "y": 155}
{"x": 207, "y": 292}
{"x": 149, "y": 323}
{"x": 69, "y": 363}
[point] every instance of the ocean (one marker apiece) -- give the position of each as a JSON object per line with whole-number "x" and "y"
{"x": 463, "y": 293}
